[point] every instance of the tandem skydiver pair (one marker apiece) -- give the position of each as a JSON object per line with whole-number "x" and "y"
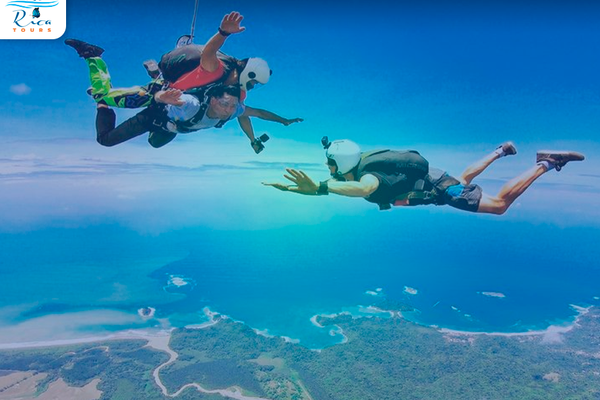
{"x": 199, "y": 87}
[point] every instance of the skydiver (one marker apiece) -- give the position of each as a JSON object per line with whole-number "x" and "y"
{"x": 403, "y": 178}
{"x": 246, "y": 74}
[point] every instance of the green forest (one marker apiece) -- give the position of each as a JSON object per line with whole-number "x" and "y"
{"x": 384, "y": 358}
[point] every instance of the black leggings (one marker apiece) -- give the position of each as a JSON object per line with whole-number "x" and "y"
{"x": 142, "y": 122}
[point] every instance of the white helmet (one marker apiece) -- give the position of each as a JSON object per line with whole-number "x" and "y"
{"x": 257, "y": 69}
{"x": 345, "y": 153}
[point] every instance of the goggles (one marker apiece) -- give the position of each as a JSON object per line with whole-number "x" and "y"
{"x": 227, "y": 103}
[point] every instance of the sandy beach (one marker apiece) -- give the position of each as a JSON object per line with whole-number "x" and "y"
{"x": 125, "y": 335}
{"x": 552, "y": 334}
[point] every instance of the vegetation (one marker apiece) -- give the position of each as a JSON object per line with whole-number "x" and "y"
{"x": 124, "y": 367}
{"x": 385, "y": 358}
{"x": 393, "y": 305}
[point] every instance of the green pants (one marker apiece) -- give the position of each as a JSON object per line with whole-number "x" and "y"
{"x": 103, "y": 92}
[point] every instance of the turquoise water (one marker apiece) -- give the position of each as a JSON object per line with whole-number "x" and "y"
{"x": 276, "y": 280}
{"x": 435, "y": 75}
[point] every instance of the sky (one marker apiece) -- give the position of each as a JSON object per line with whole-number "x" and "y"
{"x": 450, "y": 79}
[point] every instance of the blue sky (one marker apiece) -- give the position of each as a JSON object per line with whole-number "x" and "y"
{"x": 452, "y": 80}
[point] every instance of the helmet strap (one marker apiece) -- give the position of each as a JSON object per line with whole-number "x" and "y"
{"x": 339, "y": 177}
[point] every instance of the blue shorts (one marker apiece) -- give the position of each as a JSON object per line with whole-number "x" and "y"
{"x": 463, "y": 197}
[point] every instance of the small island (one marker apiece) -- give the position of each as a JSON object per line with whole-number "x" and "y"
{"x": 493, "y": 294}
{"x": 146, "y": 312}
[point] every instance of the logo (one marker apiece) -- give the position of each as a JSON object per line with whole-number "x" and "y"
{"x": 33, "y": 19}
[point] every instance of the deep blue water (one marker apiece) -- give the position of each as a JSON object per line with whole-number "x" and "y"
{"x": 278, "y": 279}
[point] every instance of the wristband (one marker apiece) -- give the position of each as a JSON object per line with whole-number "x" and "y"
{"x": 323, "y": 189}
{"x": 224, "y": 33}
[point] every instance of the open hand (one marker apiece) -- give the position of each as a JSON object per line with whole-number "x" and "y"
{"x": 279, "y": 186}
{"x": 302, "y": 183}
{"x": 169, "y": 96}
{"x": 231, "y": 23}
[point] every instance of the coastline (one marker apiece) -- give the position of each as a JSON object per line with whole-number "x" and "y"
{"x": 550, "y": 335}
{"x": 158, "y": 338}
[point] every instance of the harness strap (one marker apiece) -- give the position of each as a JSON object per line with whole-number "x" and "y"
{"x": 426, "y": 191}
{"x": 203, "y": 94}
{"x": 184, "y": 126}
{"x": 161, "y": 119}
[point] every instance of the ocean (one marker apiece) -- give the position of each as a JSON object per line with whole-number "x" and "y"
{"x": 89, "y": 235}
{"x": 458, "y": 270}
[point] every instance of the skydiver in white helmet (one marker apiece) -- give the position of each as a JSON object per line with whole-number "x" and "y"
{"x": 404, "y": 178}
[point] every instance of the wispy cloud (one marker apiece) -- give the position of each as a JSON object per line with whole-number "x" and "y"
{"x": 20, "y": 90}
{"x": 290, "y": 164}
{"x": 208, "y": 152}
{"x": 214, "y": 179}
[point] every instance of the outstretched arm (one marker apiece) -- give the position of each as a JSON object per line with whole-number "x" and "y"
{"x": 230, "y": 25}
{"x": 269, "y": 116}
{"x": 303, "y": 184}
{"x": 246, "y": 124}
{"x": 247, "y": 128}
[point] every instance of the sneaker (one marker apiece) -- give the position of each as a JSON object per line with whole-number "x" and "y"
{"x": 152, "y": 68}
{"x": 558, "y": 158}
{"x": 83, "y": 49}
{"x": 508, "y": 148}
